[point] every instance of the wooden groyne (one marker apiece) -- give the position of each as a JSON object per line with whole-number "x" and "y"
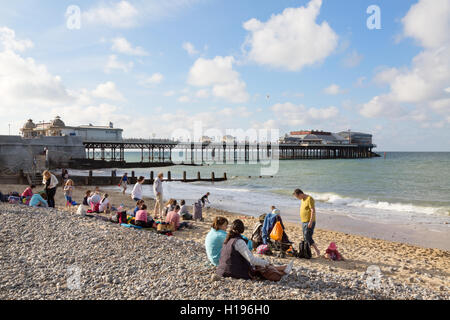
{"x": 114, "y": 180}
{"x": 111, "y": 180}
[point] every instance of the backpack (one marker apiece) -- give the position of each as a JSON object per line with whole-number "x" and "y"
{"x": 122, "y": 217}
{"x": 304, "y": 250}
{"x": 198, "y": 214}
{"x": 277, "y": 232}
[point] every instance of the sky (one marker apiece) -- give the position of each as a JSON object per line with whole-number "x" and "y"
{"x": 154, "y": 68}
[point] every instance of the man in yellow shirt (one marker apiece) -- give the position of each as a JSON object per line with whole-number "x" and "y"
{"x": 308, "y": 217}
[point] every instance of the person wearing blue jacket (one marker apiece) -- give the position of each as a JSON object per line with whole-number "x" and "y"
{"x": 37, "y": 200}
{"x": 269, "y": 223}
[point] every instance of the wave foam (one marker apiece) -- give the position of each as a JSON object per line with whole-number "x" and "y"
{"x": 336, "y": 199}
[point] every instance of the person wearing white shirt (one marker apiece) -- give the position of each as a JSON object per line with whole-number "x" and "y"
{"x": 158, "y": 191}
{"x": 105, "y": 204}
{"x": 137, "y": 193}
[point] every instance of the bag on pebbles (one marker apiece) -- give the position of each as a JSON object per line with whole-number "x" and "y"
{"x": 82, "y": 210}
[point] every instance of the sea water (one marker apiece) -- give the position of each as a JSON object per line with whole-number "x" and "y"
{"x": 403, "y": 188}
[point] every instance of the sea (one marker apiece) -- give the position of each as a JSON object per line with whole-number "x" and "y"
{"x": 400, "y": 188}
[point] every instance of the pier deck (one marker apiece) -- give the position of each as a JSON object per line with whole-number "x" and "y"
{"x": 163, "y": 151}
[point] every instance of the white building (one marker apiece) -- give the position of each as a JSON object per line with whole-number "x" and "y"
{"x": 57, "y": 128}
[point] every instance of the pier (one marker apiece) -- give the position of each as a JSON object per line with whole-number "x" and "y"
{"x": 169, "y": 152}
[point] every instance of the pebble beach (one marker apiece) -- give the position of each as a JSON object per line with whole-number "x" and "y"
{"x": 50, "y": 254}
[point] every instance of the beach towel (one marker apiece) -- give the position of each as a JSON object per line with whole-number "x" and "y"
{"x": 130, "y": 226}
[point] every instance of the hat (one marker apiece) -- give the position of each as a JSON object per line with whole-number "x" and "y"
{"x": 332, "y": 246}
{"x": 276, "y": 211}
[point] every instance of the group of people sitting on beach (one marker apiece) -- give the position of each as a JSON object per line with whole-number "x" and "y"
{"x": 226, "y": 247}
{"x": 232, "y": 253}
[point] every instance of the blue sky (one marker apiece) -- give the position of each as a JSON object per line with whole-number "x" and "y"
{"x": 153, "y": 67}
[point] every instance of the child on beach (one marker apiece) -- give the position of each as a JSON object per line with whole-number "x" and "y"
{"x": 94, "y": 200}
{"x": 28, "y": 191}
{"x": 86, "y": 198}
{"x": 170, "y": 206}
{"x": 143, "y": 219}
{"x": 138, "y": 207}
{"x": 39, "y": 200}
{"x": 137, "y": 193}
{"x": 332, "y": 253}
{"x": 124, "y": 182}
{"x": 68, "y": 193}
{"x": 184, "y": 212}
{"x": 173, "y": 218}
{"x": 105, "y": 206}
{"x": 28, "y": 194}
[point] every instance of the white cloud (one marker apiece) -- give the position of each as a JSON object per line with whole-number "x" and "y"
{"x": 114, "y": 64}
{"x": 360, "y": 82}
{"x": 333, "y": 89}
{"x": 184, "y": 99}
{"x": 129, "y": 14}
{"x": 154, "y": 79}
{"x": 169, "y": 93}
{"x": 291, "y": 40}
{"x": 23, "y": 81}
{"x": 219, "y": 74}
{"x": 298, "y": 115}
{"x": 190, "y": 49}
{"x": 428, "y": 23}
{"x": 108, "y": 91}
{"x": 421, "y": 89}
{"x": 9, "y": 42}
{"x": 353, "y": 59}
{"x": 117, "y": 15}
{"x": 122, "y": 45}
{"x": 202, "y": 94}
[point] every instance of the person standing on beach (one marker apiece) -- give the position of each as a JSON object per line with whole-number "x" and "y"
{"x": 137, "y": 194}
{"x": 51, "y": 183}
{"x": 124, "y": 182}
{"x": 308, "y": 217}
{"x": 158, "y": 191}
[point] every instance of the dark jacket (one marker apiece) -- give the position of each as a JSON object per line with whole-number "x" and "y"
{"x": 232, "y": 263}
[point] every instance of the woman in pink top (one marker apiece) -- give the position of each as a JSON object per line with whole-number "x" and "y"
{"x": 174, "y": 218}
{"x": 28, "y": 194}
{"x": 142, "y": 218}
{"x": 28, "y": 191}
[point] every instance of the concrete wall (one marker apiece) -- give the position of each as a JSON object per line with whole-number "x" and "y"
{"x": 17, "y": 154}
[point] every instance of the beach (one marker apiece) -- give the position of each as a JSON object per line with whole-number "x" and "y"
{"x": 120, "y": 263}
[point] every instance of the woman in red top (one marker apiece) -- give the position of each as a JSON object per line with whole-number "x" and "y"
{"x": 28, "y": 193}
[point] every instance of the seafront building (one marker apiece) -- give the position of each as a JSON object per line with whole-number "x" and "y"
{"x": 57, "y": 128}
{"x": 327, "y": 138}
